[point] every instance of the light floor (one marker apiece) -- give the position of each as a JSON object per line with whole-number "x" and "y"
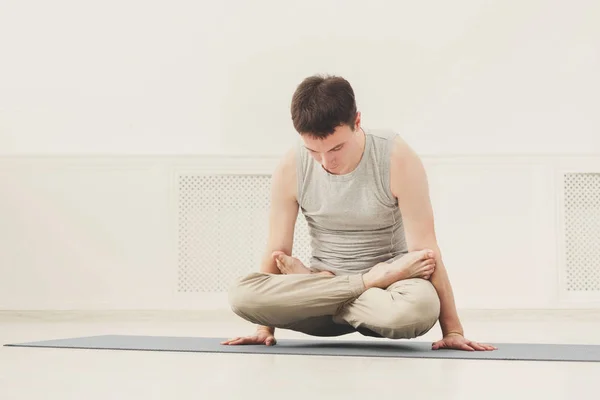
{"x": 29, "y": 373}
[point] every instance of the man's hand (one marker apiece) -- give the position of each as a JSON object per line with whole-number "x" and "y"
{"x": 262, "y": 336}
{"x": 459, "y": 342}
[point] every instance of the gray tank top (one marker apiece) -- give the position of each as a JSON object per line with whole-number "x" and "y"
{"x": 353, "y": 219}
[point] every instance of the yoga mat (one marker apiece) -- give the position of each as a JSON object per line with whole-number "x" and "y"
{"x": 337, "y": 347}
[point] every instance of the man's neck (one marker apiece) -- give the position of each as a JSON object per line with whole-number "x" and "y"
{"x": 363, "y": 143}
{"x": 359, "y": 154}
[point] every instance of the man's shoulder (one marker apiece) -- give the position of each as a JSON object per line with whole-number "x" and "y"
{"x": 287, "y": 163}
{"x": 382, "y": 133}
{"x": 404, "y": 160}
{"x": 284, "y": 175}
{"x": 390, "y": 140}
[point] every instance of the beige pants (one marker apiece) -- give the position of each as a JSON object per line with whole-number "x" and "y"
{"x": 321, "y": 305}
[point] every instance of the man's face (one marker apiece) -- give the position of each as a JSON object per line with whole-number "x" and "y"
{"x": 338, "y": 152}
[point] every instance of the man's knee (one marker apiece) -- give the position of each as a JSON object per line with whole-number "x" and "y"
{"x": 427, "y": 308}
{"x": 244, "y": 296}
{"x": 419, "y": 314}
{"x": 260, "y": 299}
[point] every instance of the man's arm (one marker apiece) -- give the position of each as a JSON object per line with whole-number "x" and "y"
{"x": 409, "y": 185}
{"x": 282, "y": 215}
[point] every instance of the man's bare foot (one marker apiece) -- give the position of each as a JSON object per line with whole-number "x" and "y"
{"x": 416, "y": 264}
{"x": 291, "y": 265}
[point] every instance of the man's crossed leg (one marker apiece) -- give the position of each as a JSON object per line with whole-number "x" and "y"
{"x": 393, "y": 300}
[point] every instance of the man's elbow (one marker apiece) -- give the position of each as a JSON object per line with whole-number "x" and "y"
{"x": 426, "y": 245}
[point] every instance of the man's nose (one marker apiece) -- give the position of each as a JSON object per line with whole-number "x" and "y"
{"x": 327, "y": 158}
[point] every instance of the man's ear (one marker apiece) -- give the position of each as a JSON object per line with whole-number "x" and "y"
{"x": 357, "y": 120}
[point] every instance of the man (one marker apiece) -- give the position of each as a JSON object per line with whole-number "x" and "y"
{"x": 376, "y": 267}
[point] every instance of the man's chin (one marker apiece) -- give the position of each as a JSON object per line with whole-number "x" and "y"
{"x": 335, "y": 170}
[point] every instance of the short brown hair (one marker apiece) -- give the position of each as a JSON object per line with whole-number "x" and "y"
{"x": 321, "y": 103}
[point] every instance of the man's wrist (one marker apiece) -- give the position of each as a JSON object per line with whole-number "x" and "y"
{"x": 269, "y": 329}
{"x": 451, "y": 327}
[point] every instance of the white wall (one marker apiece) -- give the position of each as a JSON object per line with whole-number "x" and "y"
{"x": 104, "y": 233}
{"x": 183, "y": 76}
{"x": 142, "y": 84}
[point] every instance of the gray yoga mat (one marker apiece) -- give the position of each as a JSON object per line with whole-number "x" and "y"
{"x": 337, "y": 347}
